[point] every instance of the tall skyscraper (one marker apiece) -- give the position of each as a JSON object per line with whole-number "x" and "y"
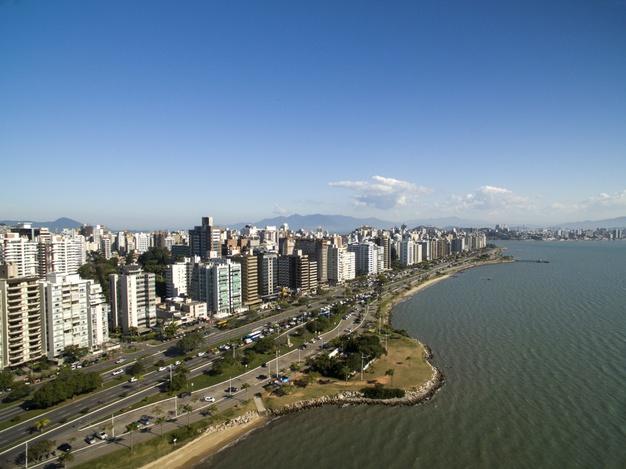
{"x": 133, "y": 299}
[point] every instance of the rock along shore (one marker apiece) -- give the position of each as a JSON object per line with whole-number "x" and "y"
{"x": 342, "y": 399}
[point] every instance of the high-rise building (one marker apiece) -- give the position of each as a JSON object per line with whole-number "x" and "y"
{"x": 268, "y": 274}
{"x": 177, "y": 278}
{"x": 366, "y": 257}
{"x": 21, "y": 318}
{"x": 205, "y": 240}
{"x": 249, "y": 278}
{"x": 218, "y": 283}
{"x": 298, "y": 273}
{"x": 65, "y": 301}
{"x": 60, "y": 254}
{"x": 21, "y": 252}
{"x": 341, "y": 264}
{"x": 133, "y": 299}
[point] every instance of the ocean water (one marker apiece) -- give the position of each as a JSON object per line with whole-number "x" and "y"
{"x": 534, "y": 356}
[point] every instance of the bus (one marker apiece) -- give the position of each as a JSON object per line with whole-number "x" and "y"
{"x": 222, "y": 324}
{"x": 254, "y": 336}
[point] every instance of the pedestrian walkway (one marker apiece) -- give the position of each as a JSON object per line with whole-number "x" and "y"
{"x": 260, "y": 407}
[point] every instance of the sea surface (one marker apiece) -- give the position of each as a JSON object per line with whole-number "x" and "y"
{"x": 534, "y": 356}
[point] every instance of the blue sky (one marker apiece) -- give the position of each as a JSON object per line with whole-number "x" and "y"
{"x": 152, "y": 114}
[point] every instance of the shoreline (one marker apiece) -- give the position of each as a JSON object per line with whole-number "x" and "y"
{"x": 212, "y": 442}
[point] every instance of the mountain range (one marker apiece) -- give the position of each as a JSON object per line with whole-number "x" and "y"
{"x": 54, "y": 226}
{"x": 341, "y": 224}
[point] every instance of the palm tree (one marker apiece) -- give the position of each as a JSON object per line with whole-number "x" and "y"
{"x": 160, "y": 420}
{"x": 390, "y": 372}
{"x": 187, "y": 408}
{"x": 40, "y": 424}
{"x": 65, "y": 457}
{"x": 130, "y": 428}
{"x": 245, "y": 386}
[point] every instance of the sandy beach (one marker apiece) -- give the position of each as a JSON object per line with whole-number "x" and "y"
{"x": 203, "y": 447}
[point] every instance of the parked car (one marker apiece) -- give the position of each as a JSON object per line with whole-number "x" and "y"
{"x": 184, "y": 394}
{"x": 120, "y": 360}
{"x": 200, "y": 354}
{"x": 132, "y": 380}
{"x": 65, "y": 447}
{"x": 117, "y": 372}
{"x": 261, "y": 377}
{"x": 103, "y": 435}
{"x": 145, "y": 419}
{"x": 232, "y": 389}
{"x": 177, "y": 362}
{"x": 90, "y": 439}
{"x": 208, "y": 399}
{"x": 162, "y": 368}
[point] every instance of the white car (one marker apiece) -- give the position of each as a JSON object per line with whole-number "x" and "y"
{"x": 117, "y": 372}
{"x": 208, "y": 399}
{"x": 200, "y": 354}
{"x": 177, "y": 362}
{"x": 132, "y": 380}
{"x": 103, "y": 435}
{"x": 120, "y": 360}
{"x": 162, "y": 368}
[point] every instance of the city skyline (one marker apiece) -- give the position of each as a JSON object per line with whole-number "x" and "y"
{"x": 142, "y": 115}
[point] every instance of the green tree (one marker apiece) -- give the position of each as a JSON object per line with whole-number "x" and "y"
{"x": 41, "y": 424}
{"x": 65, "y": 457}
{"x": 390, "y": 372}
{"x": 131, "y": 428}
{"x": 6, "y": 379}
{"x": 19, "y": 390}
{"x": 245, "y": 386}
{"x": 139, "y": 366}
{"x": 160, "y": 420}
{"x": 73, "y": 353}
{"x": 188, "y": 409}
{"x": 190, "y": 342}
{"x": 170, "y": 330}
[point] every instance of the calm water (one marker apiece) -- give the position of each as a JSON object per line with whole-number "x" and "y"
{"x": 535, "y": 363}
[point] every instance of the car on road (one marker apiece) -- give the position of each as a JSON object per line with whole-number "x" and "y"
{"x": 261, "y": 377}
{"x": 208, "y": 399}
{"x": 162, "y": 368}
{"x": 201, "y": 353}
{"x": 232, "y": 389}
{"x": 184, "y": 394}
{"x": 177, "y": 362}
{"x": 117, "y": 372}
{"x": 348, "y": 330}
{"x": 145, "y": 420}
{"x": 103, "y": 435}
{"x": 132, "y": 380}
{"x": 302, "y": 347}
{"x": 90, "y": 439}
{"x": 66, "y": 447}
{"x": 120, "y": 360}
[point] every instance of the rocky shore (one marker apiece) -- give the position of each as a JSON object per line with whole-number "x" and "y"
{"x": 342, "y": 399}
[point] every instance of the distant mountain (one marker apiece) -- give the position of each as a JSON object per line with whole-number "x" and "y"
{"x": 448, "y": 223}
{"x": 341, "y": 224}
{"x": 53, "y": 226}
{"x": 619, "y": 222}
{"x": 338, "y": 224}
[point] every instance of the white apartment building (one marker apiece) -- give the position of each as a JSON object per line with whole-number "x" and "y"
{"x": 133, "y": 299}
{"x": 21, "y": 318}
{"x": 367, "y": 258}
{"x": 219, "y": 284}
{"x": 341, "y": 264}
{"x": 98, "y": 314}
{"x": 143, "y": 242}
{"x": 407, "y": 252}
{"x": 177, "y": 278}
{"x": 61, "y": 255}
{"x": 65, "y": 300}
{"x": 21, "y": 252}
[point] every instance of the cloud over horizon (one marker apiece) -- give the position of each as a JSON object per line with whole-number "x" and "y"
{"x": 383, "y": 193}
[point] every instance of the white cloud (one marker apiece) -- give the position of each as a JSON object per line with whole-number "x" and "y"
{"x": 280, "y": 211}
{"x": 492, "y": 200}
{"x": 383, "y": 193}
{"x": 605, "y": 200}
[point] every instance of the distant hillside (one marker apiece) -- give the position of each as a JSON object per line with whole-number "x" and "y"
{"x": 53, "y": 226}
{"x": 619, "y": 222}
{"x": 338, "y": 224}
{"x": 449, "y": 222}
{"x": 341, "y": 224}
